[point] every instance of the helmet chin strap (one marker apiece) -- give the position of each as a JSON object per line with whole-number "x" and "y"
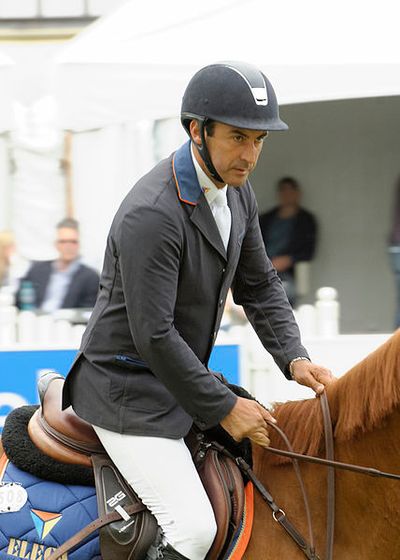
{"x": 205, "y": 154}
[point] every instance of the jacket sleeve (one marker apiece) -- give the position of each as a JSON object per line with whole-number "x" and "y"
{"x": 150, "y": 244}
{"x": 259, "y": 290}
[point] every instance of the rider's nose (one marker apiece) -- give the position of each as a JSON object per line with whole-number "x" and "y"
{"x": 250, "y": 154}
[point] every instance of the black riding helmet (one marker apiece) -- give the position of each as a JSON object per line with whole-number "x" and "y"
{"x": 233, "y": 93}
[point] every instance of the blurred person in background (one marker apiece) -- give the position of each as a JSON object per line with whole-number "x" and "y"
{"x": 394, "y": 249}
{"x": 7, "y": 248}
{"x": 289, "y": 233}
{"x": 64, "y": 283}
{"x": 12, "y": 267}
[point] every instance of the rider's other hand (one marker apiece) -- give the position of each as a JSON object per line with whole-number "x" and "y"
{"x": 248, "y": 419}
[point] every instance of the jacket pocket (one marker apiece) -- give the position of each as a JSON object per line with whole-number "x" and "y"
{"x": 129, "y": 362}
{"x": 138, "y": 389}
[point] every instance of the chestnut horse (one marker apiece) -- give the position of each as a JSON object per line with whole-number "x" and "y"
{"x": 365, "y": 409}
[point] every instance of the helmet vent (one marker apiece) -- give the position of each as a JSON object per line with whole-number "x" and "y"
{"x": 254, "y": 80}
{"x": 260, "y": 95}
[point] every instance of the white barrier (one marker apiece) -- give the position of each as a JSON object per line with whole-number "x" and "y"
{"x": 262, "y": 377}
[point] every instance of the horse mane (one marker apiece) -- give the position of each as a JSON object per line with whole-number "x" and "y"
{"x": 359, "y": 401}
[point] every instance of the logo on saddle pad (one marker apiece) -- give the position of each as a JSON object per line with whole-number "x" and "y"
{"x": 44, "y": 522}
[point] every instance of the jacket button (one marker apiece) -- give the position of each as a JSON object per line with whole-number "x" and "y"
{"x": 223, "y": 270}
{"x": 221, "y": 302}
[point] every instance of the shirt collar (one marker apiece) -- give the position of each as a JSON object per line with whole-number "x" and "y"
{"x": 70, "y": 270}
{"x": 207, "y": 186}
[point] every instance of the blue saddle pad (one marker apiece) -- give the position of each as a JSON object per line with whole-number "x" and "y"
{"x": 52, "y": 514}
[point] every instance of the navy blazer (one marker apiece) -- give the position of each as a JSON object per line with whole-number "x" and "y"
{"x": 142, "y": 367}
{"x": 81, "y": 292}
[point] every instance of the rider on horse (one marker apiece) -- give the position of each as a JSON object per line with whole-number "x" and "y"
{"x": 186, "y": 233}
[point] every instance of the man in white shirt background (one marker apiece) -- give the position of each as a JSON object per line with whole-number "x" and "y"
{"x": 64, "y": 283}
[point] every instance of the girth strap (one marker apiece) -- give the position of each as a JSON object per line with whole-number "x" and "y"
{"x": 92, "y": 527}
{"x": 330, "y": 455}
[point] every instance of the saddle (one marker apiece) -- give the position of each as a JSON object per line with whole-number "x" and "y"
{"x": 65, "y": 437}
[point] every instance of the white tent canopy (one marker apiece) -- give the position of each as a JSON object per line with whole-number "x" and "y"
{"x": 135, "y": 63}
{"x": 6, "y": 92}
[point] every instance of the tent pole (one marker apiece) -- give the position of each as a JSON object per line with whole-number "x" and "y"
{"x": 67, "y": 164}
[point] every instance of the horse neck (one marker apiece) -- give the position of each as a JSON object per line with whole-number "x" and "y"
{"x": 378, "y": 448}
{"x": 366, "y": 508}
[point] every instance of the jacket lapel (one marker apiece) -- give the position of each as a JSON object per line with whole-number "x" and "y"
{"x": 237, "y": 226}
{"x": 203, "y": 219}
{"x": 190, "y": 193}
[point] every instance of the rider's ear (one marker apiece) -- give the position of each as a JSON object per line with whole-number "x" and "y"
{"x": 195, "y": 132}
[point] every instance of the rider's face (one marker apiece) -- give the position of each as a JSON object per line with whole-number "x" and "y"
{"x": 234, "y": 151}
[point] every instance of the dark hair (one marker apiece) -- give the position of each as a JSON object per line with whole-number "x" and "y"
{"x": 210, "y": 127}
{"x": 288, "y": 181}
{"x": 69, "y": 223}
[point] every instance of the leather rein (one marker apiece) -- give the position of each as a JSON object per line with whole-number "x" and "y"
{"x": 327, "y": 462}
{"x": 279, "y": 515}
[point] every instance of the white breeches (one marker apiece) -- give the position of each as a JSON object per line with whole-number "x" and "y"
{"x": 162, "y": 473}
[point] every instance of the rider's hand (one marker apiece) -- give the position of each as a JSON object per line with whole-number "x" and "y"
{"x": 248, "y": 419}
{"x": 311, "y": 375}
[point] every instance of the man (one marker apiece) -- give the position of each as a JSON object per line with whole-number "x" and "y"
{"x": 289, "y": 232}
{"x": 66, "y": 282}
{"x": 174, "y": 249}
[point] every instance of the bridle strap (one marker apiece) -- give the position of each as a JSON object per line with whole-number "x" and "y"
{"x": 330, "y": 456}
{"x": 335, "y": 464}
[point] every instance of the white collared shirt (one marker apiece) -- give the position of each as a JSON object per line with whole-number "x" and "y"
{"x": 207, "y": 186}
{"x": 58, "y": 285}
{"x": 222, "y": 216}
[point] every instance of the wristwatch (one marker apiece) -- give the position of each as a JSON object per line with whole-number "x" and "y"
{"x": 298, "y": 359}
